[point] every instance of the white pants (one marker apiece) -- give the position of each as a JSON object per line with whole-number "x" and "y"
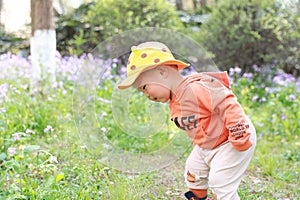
{"x": 220, "y": 169}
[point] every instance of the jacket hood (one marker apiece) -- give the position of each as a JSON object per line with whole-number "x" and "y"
{"x": 221, "y": 76}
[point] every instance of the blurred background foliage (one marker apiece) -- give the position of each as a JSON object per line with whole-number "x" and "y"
{"x": 236, "y": 32}
{"x": 242, "y": 33}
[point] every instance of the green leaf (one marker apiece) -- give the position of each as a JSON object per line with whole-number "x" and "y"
{"x": 2, "y": 156}
{"x": 2, "y": 123}
{"x": 31, "y": 148}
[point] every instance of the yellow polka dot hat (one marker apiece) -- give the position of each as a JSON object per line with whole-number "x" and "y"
{"x": 147, "y": 56}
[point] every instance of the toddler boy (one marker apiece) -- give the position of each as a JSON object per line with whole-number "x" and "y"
{"x": 204, "y": 106}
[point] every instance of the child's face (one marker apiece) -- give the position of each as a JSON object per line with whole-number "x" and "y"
{"x": 152, "y": 84}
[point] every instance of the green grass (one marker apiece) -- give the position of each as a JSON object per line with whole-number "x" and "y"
{"x": 56, "y": 164}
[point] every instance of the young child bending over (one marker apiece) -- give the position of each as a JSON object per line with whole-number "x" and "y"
{"x": 204, "y": 106}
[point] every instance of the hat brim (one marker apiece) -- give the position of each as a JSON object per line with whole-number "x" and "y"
{"x": 126, "y": 83}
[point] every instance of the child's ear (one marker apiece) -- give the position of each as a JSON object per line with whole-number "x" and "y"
{"x": 163, "y": 71}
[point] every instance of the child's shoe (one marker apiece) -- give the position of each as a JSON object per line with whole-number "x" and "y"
{"x": 190, "y": 196}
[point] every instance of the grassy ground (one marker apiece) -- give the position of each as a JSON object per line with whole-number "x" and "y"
{"x": 58, "y": 168}
{"x": 42, "y": 155}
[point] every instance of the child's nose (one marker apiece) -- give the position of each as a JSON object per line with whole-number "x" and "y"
{"x": 148, "y": 96}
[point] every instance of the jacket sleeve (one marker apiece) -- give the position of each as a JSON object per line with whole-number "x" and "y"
{"x": 237, "y": 124}
{"x": 225, "y": 105}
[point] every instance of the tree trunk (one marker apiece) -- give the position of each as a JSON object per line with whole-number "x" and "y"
{"x": 43, "y": 41}
{"x": 203, "y": 3}
{"x": 195, "y": 4}
{"x": 179, "y": 5}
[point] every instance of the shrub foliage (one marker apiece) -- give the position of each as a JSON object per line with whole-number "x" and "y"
{"x": 94, "y": 22}
{"x": 243, "y": 33}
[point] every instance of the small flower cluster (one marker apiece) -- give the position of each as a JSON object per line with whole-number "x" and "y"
{"x": 284, "y": 79}
{"x": 3, "y": 92}
{"x": 20, "y": 136}
{"x": 48, "y": 129}
{"x": 264, "y": 82}
{"x": 69, "y": 68}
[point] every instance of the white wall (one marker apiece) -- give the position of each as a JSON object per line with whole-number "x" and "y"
{"x": 15, "y": 14}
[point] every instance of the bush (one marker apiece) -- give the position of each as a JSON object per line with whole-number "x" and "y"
{"x": 68, "y": 26}
{"x": 105, "y": 18}
{"x": 12, "y": 43}
{"x": 243, "y": 33}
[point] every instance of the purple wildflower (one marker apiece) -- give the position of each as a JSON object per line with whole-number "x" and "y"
{"x": 12, "y": 151}
{"x": 268, "y": 90}
{"x": 54, "y": 85}
{"x": 298, "y": 84}
{"x": 256, "y": 68}
{"x": 17, "y": 136}
{"x": 263, "y": 99}
{"x": 284, "y": 79}
{"x": 58, "y": 55}
{"x": 3, "y": 90}
{"x": 103, "y": 115}
{"x": 235, "y": 70}
{"x": 48, "y": 128}
{"x": 283, "y": 117}
{"x": 122, "y": 70}
{"x": 103, "y": 129}
{"x": 248, "y": 75}
{"x": 292, "y": 97}
{"x": 84, "y": 56}
{"x": 14, "y": 66}
{"x": 115, "y": 60}
{"x": 2, "y": 110}
{"x": 254, "y": 98}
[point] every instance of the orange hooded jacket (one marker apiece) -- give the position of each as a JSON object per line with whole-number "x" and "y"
{"x": 205, "y": 107}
